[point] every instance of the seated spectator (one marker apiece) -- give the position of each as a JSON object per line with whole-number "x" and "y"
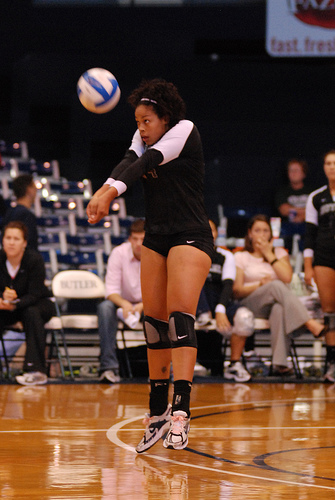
{"x": 123, "y": 290}
{"x": 262, "y": 275}
{"x": 25, "y": 192}
{"x": 25, "y": 298}
{"x": 231, "y": 319}
{"x": 291, "y": 200}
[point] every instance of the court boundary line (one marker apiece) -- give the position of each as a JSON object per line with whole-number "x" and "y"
{"x": 114, "y": 429}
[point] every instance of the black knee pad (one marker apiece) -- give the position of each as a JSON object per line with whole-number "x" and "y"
{"x": 329, "y": 320}
{"x": 156, "y": 333}
{"x": 181, "y": 330}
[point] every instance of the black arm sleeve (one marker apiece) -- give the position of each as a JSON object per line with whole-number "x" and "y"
{"x": 131, "y": 172}
{"x": 310, "y": 235}
{"x": 226, "y": 292}
{"x": 127, "y": 160}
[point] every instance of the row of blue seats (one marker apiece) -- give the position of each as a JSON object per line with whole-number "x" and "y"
{"x": 55, "y": 261}
{"x": 13, "y": 149}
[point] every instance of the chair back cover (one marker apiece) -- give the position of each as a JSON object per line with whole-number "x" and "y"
{"x": 78, "y": 284}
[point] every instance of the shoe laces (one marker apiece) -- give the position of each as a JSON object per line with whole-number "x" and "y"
{"x": 177, "y": 423}
{"x": 147, "y": 419}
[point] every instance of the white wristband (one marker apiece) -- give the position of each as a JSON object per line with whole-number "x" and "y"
{"x": 120, "y": 187}
{"x": 220, "y": 308}
{"x": 110, "y": 181}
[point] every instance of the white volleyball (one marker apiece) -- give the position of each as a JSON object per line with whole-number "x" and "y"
{"x": 98, "y": 90}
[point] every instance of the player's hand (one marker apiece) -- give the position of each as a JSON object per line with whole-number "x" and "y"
{"x": 127, "y": 308}
{"x": 309, "y": 275}
{"x": 222, "y": 322}
{"x": 98, "y": 207}
{"x": 6, "y": 306}
{"x": 266, "y": 279}
{"x": 9, "y": 294}
{"x": 265, "y": 247}
{"x": 92, "y": 209}
{"x": 138, "y": 307}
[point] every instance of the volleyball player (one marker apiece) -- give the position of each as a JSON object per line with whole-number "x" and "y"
{"x": 166, "y": 153}
{"x": 319, "y": 253}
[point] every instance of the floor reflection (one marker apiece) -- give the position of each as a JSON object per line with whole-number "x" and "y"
{"x": 271, "y": 441}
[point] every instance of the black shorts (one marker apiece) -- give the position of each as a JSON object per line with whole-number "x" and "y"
{"x": 324, "y": 260}
{"x": 324, "y": 253}
{"x": 162, "y": 243}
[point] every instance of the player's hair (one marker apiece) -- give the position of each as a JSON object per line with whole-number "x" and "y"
{"x": 260, "y": 217}
{"x": 21, "y": 184}
{"x": 331, "y": 152}
{"x": 137, "y": 226}
{"x": 302, "y": 163}
{"x": 163, "y": 96}
{"x": 17, "y": 224}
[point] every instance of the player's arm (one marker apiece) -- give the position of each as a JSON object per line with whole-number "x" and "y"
{"x": 222, "y": 321}
{"x": 226, "y": 295}
{"x": 310, "y": 237}
{"x": 240, "y": 289}
{"x": 99, "y": 204}
{"x": 284, "y": 209}
{"x": 312, "y": 221}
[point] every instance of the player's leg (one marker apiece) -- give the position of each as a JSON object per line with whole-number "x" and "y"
{"x": 154, "y": 284}
{"x": 187, "y": 269}
{"x": 325, "y": 280}
{"x": 242, "y": 320}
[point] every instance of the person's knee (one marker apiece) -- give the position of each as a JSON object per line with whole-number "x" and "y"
{"x": 244, "y": 322}
{"x": 277, "y": 285}
{"x": 181, "y": 330}
{"x": 156, "y": 333}
{"x": 106, "y": 307}
{"x": 30, "y": 313}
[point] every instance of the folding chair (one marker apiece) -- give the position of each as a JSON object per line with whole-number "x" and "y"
{"x": 135, "y": 336}
{"x": 77, "y": 284}
{"x": 55, "y": 327}
{"x": 263, "y": 325}
{"x": 6, "y": 357}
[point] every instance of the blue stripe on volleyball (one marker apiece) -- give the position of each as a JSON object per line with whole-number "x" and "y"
{"x": 96, "y": 85}
{"x": 111, "y": 95}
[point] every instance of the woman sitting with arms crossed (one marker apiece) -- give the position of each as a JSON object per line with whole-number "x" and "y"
{"x": 262, "y": 275}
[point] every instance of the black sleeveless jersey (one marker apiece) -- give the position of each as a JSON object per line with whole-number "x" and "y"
{"x": 320, "y": 223}
{"x": 172, "y": 172}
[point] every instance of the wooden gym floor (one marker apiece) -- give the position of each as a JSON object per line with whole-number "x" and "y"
{"x": 247, "y": 441}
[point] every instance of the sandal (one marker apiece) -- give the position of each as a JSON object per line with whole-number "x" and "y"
{"x": 322, "y": 333}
